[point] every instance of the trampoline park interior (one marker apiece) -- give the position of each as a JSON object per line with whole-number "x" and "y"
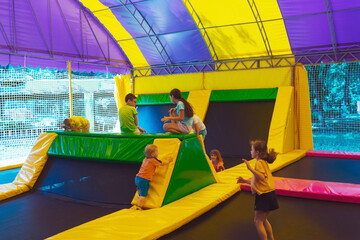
{"x": 244, "y": 65}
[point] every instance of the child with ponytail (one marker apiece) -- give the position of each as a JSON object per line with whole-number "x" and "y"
{"x": 181, "y": 117}
{"x": 262, "y": 186}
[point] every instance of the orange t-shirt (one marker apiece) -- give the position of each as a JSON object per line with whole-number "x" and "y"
{"x": 218, "y": 165}
{"x": 148, "y": 167}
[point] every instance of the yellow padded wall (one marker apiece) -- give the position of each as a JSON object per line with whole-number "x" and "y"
{"x": 122, "y": 87}
{"x": 168, "y": 148}
{"x": 290, "y": 129}
{"x": 281, "y": 132}
{"x": 199, "y": 100}
{"x": 302, "y": 108}
{"x": 249, "y": 79}
{"x": 165, "y": 83}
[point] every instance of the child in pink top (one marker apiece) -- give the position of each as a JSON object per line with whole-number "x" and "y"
{"x": 217, "y": 160}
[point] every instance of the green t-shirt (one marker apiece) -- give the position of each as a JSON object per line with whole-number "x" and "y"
{"x": 126, "y": 114}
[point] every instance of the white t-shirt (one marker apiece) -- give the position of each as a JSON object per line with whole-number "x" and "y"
{"x": 197, "y": 120}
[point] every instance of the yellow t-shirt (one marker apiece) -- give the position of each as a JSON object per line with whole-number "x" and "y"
{"x": 80, "y": 122}
{"x": 266, "y": 185}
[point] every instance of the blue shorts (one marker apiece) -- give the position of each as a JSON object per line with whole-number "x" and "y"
{"x": 143, "y": 185}
{"x": 203, "y": 133}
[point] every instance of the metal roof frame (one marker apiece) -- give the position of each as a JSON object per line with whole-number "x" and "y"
{"x": 250, "y": 63}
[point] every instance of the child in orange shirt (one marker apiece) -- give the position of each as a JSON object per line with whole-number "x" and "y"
{"x": 262, "y": 186}
{"x": 217, "y": 160}
{"x": 146, "y": 172}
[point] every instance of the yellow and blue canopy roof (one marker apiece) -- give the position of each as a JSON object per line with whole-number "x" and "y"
{"x": 125, "y": 34}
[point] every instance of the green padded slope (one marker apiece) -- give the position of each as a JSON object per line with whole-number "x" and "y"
{"x": 157, "y": 99}
{"x": 191, "y": 171}
{"x": 243, "y": 95}
{"x": 105, "y": 147}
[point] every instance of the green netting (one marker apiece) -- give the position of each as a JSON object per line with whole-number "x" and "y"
{"x": 243, "y": 95}
{"x": 157, "y": 99}
{"x": 191, "y": 172}
{"x": 105, "y": 147}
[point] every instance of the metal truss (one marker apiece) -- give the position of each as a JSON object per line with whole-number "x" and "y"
{"x": 330, "y": 17}
{"x": 140, "y": 19}
{"x": 261, "y": 27}
{"x": 250, "y": 63}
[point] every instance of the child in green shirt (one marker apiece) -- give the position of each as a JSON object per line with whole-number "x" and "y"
{"x": 128, "y": 116}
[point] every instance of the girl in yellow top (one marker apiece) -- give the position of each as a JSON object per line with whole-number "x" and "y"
{"x": 76, "y": 124}
{"x": 262, "y": 186}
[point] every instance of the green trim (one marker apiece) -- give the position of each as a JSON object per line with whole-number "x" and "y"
{"x": 191, "y": 171}
{"x": 105, "y": 147}
{"x": 243, "y": 95}
{"x": 156, "y": 99}
{"x": 118, "y": 135}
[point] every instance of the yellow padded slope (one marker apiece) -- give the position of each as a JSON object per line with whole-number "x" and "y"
{"x": 199, "y": 100}
{"x": 213, "y": 171}
{"x": 281, "y": 132}
{"x": 31, "y": 168}
{"x": 168, "y": 148}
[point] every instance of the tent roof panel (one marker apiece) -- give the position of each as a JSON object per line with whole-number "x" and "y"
{"x": 151, "y": 33}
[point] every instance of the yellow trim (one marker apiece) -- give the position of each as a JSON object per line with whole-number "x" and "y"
{"x": 165, "y": 83}
{"x": 249, "y": 79}
{"x": 12, "y": 166}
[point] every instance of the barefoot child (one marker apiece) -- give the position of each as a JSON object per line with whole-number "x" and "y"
{"x": 262, "y": 186}
{"x": 199, "y": 127}
{"x": 181, "y": 117}
{"x": 146, "y": 172}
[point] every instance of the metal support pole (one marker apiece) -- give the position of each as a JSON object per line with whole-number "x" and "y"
{"x": 70, "y": 90}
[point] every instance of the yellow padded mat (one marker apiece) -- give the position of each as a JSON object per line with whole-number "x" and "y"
{"x": 154, "y": 223}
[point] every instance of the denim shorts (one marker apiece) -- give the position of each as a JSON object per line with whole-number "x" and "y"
{"x": 143, "y": 185}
